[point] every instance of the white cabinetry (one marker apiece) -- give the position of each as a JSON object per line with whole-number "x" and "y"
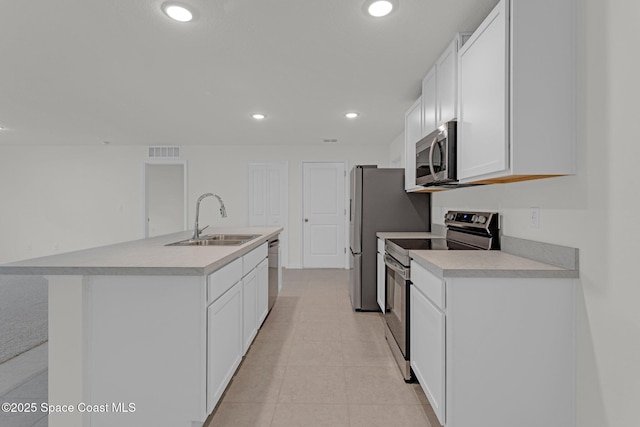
{"x": 517, "y": 94}
{"x": 224, "y": 342}
{"x": 412, "y": 134}
{"x": 500, "y": 353}
{"x": 251, "y": 292}
{"x": 428, "y": 349}
{"x": 263, "y": 291}
{"x": 437, "y": 105}
{"x": 429, "y": 103}
{"x": 447, "y": 81}
{"x": 250, "y": 310}
{"x": 236, "y": 309}
{"x": 381, "y": 276}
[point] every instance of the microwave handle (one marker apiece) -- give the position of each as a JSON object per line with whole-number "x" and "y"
{"x": 433, "y": 145}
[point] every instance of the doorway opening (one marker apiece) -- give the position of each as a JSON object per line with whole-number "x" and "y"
{"x": 165, "y": 197}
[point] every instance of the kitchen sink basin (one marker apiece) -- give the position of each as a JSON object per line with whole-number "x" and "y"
{"x": 217, "y": 240}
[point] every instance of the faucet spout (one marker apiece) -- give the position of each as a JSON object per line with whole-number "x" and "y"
{"x": 223, "y": 213}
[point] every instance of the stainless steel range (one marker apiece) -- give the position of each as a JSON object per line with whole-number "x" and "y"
{"x": 465, "y": 231}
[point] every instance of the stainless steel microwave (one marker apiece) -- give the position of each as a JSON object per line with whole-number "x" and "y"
{"x": 436, "y": 157}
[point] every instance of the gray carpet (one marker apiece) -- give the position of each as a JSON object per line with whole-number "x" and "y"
{"x": 23, "y": 314}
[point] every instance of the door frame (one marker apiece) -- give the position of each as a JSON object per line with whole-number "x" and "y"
{"x": 145, "y": 191}
{"x": 346, "y": 205}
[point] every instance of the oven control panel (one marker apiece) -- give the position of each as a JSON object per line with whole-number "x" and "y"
{"x": 484, "y": 220}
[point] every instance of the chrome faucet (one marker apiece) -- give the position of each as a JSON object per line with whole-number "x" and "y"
{"x": 223, "y": 212}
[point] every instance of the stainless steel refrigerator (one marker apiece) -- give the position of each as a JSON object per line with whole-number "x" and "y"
{"x": 378, "y": 202}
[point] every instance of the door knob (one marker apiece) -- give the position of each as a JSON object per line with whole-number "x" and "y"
{"x": 306, "y": 220}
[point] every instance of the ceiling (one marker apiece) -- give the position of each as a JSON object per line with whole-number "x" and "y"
{"x": 82, "y": 72}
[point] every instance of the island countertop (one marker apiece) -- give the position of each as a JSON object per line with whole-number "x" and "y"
{"x": 145, "y": 256}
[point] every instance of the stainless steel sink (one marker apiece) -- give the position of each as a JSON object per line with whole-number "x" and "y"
{"x": 217, "y": 240}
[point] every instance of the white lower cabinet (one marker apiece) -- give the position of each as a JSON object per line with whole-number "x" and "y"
{"x": 224, "y": 342}
{"x": 234, "y": 318}
{"x": 263, "y": 291}
{"x": 494, "y": 351}
{"x": 250, "y": 308}
{"x": 428, "y": 349}
{"x": 380, "y": 293}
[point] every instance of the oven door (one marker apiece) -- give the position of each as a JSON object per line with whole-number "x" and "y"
{"x": 397, "y": 302}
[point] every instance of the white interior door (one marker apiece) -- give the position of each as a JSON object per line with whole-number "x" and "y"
{"x": 269, "y": 199}
{"x": 323, "y": 215}
{"x": 165, "y": 198}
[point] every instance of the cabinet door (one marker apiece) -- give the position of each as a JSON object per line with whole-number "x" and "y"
{"x": 429, "y": 94}
{"x": 483, "y": 122}
{"x": 412, "y": 134}
{"x": 380, "y": 282}
{"x": 263, "y": 291}
{"x": 250, "y": 308}
{"x": 224, "y": 342}
{"x": 447, "y": 84}
{"x": 427, "y": 338}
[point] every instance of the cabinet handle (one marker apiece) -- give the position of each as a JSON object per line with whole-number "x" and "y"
{"x": 306, "y": 220}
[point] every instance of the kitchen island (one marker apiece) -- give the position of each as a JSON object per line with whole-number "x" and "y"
{"x": 146, "y": 334}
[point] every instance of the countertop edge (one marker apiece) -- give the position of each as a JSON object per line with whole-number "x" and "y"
{"x": 551, "y": 272}
{"x": 142, "y": 270}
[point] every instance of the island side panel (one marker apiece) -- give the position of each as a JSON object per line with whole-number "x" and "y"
{"x": 147, "y": 347}
{"x": 67, "y": 347}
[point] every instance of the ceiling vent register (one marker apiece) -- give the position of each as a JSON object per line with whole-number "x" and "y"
{"x": 164, "y": 152}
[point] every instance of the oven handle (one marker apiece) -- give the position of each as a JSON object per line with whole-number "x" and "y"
{"x": 396, "y": 266}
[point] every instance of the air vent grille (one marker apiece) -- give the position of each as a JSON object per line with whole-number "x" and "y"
{"x": 164, "y": 152}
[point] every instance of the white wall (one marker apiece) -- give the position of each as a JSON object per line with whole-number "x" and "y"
{"x": 592, "y": 211}
{"x": 64, "y": 198}
{"x": 396, "y": 152}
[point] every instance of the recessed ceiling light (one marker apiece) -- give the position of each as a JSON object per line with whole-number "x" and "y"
{"x": 379, "y": 8}
{"x": 351, "y": 115}
{"x": 177, "y": 12}
{"x": 258, "y": 116}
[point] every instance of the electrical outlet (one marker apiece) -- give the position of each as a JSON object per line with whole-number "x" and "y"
{"x": 534, "y": 217}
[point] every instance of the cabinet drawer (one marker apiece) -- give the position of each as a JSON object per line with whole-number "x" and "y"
{"x": 253, "y": 258}
{"x": 220, "y": 280}
{"x": 381, "y": 246}
{"x": 429, "y": 284}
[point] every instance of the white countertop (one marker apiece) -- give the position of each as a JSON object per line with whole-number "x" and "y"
{"x": 145, "y": 256}
{"x": 486, "y": 264}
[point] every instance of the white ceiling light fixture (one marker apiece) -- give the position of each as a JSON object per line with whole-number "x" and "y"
{"x": 351, "y": 115}
{"x": 258, "y": 116}
{"x": 177, "y": 12}
{"x": 380, "y": 8}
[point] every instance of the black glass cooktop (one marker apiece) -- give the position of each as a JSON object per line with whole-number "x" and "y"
{"x": 419, "y": 244}
{"x": 429, "y": 244}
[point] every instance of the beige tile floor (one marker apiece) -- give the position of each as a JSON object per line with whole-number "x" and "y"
{"x": 316, "y": 362}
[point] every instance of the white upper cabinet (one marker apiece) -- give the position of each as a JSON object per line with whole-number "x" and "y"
{"x": 429, "y": 103}
{"x": 447, "y": 81}
{"x": 412, "y": 134}
{"x": 437, "y": 105}
{"x": 517, "y": 94}
{"x": 482, "y": 129}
